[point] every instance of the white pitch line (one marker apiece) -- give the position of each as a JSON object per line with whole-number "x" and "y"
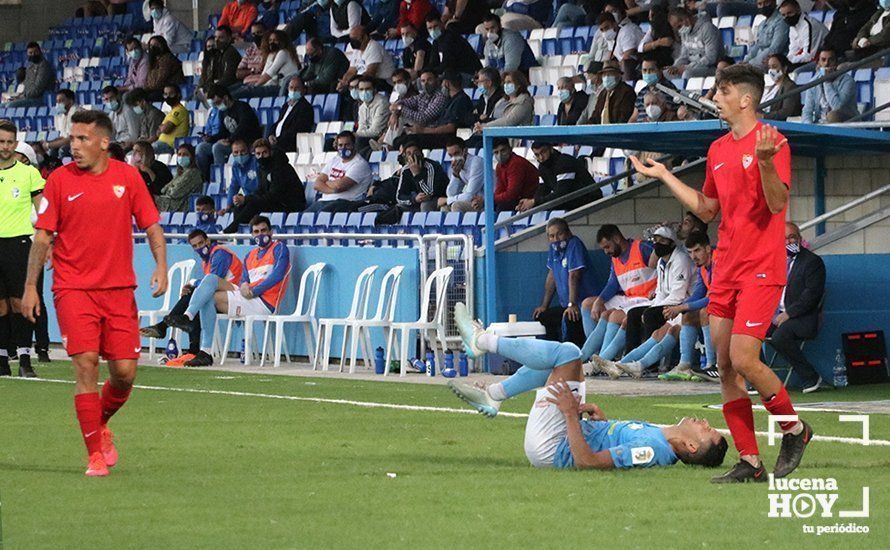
{"x": 397, "y": 406}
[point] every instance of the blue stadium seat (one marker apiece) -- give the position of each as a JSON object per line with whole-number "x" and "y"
{"x": 331, "y": 108}
{"x": 567, "y": 40}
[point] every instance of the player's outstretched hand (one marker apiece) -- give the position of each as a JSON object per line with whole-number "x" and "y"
{"x": 159, "y": 281}
{"x": 649, "y": 167}
{"x": 567, "y": 402}
{"x": 767, "y": 145}
{"x": 31, "y": 304}
{"x": 593, "y": 411}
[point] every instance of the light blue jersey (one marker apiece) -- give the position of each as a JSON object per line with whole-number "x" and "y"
{"x": 631, "y": 444}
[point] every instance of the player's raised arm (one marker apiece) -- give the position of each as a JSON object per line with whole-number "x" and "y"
{"x": 36, "y": 258}
{"x": 774, "y": 189}
{"x": 158, "y": 246}
{"x": 702, "y": 206}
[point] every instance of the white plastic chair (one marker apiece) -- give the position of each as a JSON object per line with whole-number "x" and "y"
{"x": 426, "y": 326}
{"x": 182, "y": 269}
{"x": 304, "y": 313}
{"x": 361, "y": 296}
{"x": 383, "y": 318}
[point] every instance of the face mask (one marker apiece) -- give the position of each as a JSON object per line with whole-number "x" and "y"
{"x": 155, "y": 13}
{"x": 509, "y": 88}
{"x": 885, "y": 4}
{"x": 264, "y": 162}
{"x": 134, "y": 54}
{"x": 820, "y": 72}
{"x": 340, "y": 2}
{"x": 610, "y": 35}
{"x": 401, "y": 88}
{"x": 294, "y": 96}
{"x": 204, "y": 251}
{"x": 206, "y": 217}
{"x": 322, "y": 3}
{"x": 792, "y": 20}
{"x": 184, "y": 162}
{"x": 220, "y": 106}
{"x": 257, "y": 40}
{"x": 775, "y": 74}
{"x": 766, "y": 11}
{"x": 171, "y": 101}
{"x": 559, "y": 246}
{"x": 274, "y": 46}
{"x": 504, "y": 157}
{"x": 345, "y": 153}
{"x": 366, "y": 95}
{"x": 407, "y": 41}
{"x": 263, "y": 240}
{"x": 663, "y": 250}
{"x": 113, "y": 105}
{"x": 209, "y": 48}
{"x": 59, "y": 109}
{"x": 653, "y": 112}
{"x": 356, "y": 44}
{"x": 792, "y": 249}
{"x": 240, "y": 160}
{"x": 138, "y": 109}
{"x": 353, "y": 93}
{"x": 154, "y": 51}
{"x": 435, "y": 33}
{"x": 609, "y": 82}
{"x": 493, "y": 37}
{"x": 35, "y": 59}
{"x": 590, "y": 88}
{"x": 650, "y": 78}
{"x": 564, "y": 95}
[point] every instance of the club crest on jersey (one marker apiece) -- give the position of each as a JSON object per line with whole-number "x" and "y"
{"x": 16, "y": 192}
{"x": 747, "y": 160}
{"x": 119, "y": 190}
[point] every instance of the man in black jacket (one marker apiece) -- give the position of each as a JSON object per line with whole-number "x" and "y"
{"x": 800, "y": 308}
{"x": 324, "y": 67}
{"x": 489, "y": 80}
{"x": 560, "y": 174}
{"x": 239, "y": 121}
{"x": 280, "y": 189}
{"x": 450, "y": 50}
{"x": 422, "y": 181}
{"x": 296, "y": 117}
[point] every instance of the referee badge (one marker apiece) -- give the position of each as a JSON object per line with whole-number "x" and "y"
{"x": 119, "y": 190}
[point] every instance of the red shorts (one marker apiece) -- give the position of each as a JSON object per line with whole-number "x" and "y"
{"x": 751, "y": 308}
{"x": 102, "y": 321}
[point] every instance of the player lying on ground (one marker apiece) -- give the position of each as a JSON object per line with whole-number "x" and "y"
{"x": 555, "y": 434}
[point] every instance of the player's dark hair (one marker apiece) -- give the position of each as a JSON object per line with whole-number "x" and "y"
{"x": 99, "y": 118}
{"x": 205, "y": 199}
{"x": 257, "y": 220}
{"x": 697, "y": 238}
{"x": 7, "y": 125}
{"x": 698, "y": 224}
{"x": 558, "y": 222}
{"x": 197, "y": 233}
{"x": 745, "y": 75}
{"x": 608, "y": 231}
{"x": 711, "y": 457}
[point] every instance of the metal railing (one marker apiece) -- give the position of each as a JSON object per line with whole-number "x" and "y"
{"x": 845, "y": 207}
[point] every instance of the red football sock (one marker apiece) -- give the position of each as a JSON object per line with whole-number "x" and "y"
{"x": 89, "y": 414}
{"x": 112, "y": 400}
{"x": 780, "y": 404}
{"x": 740, "y": 419}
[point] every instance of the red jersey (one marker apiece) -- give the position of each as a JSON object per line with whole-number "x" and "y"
{"x": 93, "y": 216}
{"x": 750, "y": 239}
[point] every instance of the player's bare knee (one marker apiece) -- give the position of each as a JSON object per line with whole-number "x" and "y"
{"x": 587, "y": 303}
{"x": 568, "y": 372}
{"x": 691, "y": 319}
{"x": 743, "y": 360}
{"x": 674, "y": 331}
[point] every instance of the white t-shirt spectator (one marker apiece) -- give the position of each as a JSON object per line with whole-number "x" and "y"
{"x": 279, "y": 66}
{"x": 374, "y": 53}
{"x": 62, "y": 122}
{"x": 629, "y": 37}
{"x": 357, "y": 169}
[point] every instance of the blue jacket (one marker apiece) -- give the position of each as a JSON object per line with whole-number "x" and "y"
{"x": 839, "y": 93}
{"x": 772, "y": 37}
{"x": 244, "y": 178}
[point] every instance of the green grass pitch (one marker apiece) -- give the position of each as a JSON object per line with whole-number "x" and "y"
{"x": 217, "y": 470}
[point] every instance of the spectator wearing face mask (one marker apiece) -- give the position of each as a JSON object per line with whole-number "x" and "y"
{"x": 603, "y": 42}
{"x": 652, "y": 75}
{"x": 163, "y": 69}
{"x": 346, "y": 16}
{"x": 296, "y": 116}
{"x": 323, "y": 67}
{"x": 516, "y": 179}
{"x": 175, "y": 124}
{"x": 771, "y": 35}
{"x": 656, "y": 109}
{"x": 279, "y": 188}
{"x": 402, "y": 86}
{"x": 464, "y": 193}
{"x": 506, "y": 49}
{"x": 833, "y": 100}
{"x": 62, "y": 114}
{"x": 175, "y": 33}
{"x": 805, "y": 35}
{"x": 148, "y": 117}
{"x": 422, "y": 181}
{"x": 778, "y": 70}
{"x": 187, "y": 180}
{"x": 368, "y": 59}
{"x": 206, "y": 210}
{"x": 244, "y": 180}
{"x": 516, "y": 108}
{"x": 344, "y": 181}
{"x": 239, "y": 121}
{"x": 489, "y": 85}
{"x": 571, "y": 103}
{"x": 239, "y": 15}
{"x": 125, "y": 126}
{"x": 40, "y": 77}
{"x": 373, "y": 113}
{"x": 458, "y": 113}
{"x": 560, "y": 174}
{"x": 450, "y": 50}
{"x": 155, "y": 173}
{"x": 253, "y": 60}
{"x": 659, "y": 43}
{"x": 420, "y": 110}
{"x": 627, "y": 38}
{"x": 137, "y": 65}
{"x": 416, "y": 55}
{"x": 224, "y": 60}
{"x": 281, "y": 61}
{"x": 700, "y": 44}
{"x": 874, "y": 35}
{"x": 615, "y": 103}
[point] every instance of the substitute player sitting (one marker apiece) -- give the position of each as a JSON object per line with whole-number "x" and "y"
{"x": 217, "y": 260}
{"x": 555, "y": 435}
{"x": 747, "y": 179}
{"x": 262, "y": 287}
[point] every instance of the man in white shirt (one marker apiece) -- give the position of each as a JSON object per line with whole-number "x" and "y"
{"x": 344, "y": 180}
{"x": 805, "y": 35}
{"x": 368, "y": 58}
{"x": 464, "y": 193}
{"x": 373, "y": 114}
{"x": 174, "y": 31}
{"x": 627, "y": 40}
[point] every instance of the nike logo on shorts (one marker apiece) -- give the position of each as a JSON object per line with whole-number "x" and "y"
{"x": 74, "y": 197}
{"x": 89, "y": 434}
{"x": 749, "y": 324}
{"x": 717, "y": 167}
{"x": 138, "y": 350}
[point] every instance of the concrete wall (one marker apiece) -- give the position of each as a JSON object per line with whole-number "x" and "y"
{"x": 848, "y": 177}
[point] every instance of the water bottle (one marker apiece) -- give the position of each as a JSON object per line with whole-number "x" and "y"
{"x": 463, "y": 365}
{"x": 172, "y": 350}
{"x": 430, "y": 363}
{"x": 448, "y": 371}
{"x": 840, "y": 370}
{"x": 379, "y": 361}
{"x": 242, "y": 356}
{"x": 418, "y": 365}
